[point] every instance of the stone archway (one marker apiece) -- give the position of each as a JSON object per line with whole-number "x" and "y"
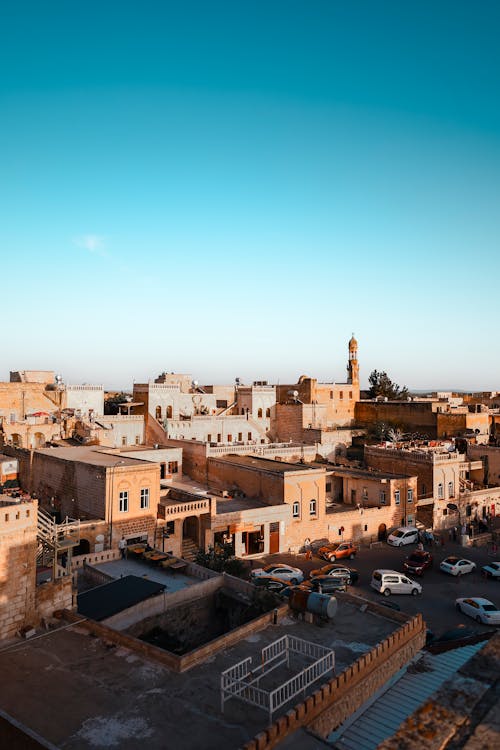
{"x": 191, "y": 529}
{"x": 382, "y": 532}
{"x": 39, "y": 440}
{"x": 17, "y": 440}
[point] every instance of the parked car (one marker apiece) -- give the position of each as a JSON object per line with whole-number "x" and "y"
{"x": 337, "y": 551}
{"x": 283, "y": 572}
{"x": 271, "y": 583}
{"x": 491, "y": 570}
{"x": 417, "y": 562}
{"x": 389, "y": 582}
{"x": 403, "y": 535}
{"x": 326, "y": 584}
{"x": 336, "y": 570}
{"x": 457, "y": 566}
{"x": 482, "y": 610}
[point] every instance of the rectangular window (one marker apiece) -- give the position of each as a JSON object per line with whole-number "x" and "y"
{"x": 145, "y": 497}
{"x": 296, "y": 510}
{"x": 328, "y": 487}
{"x": 350, "y": 395}
{"x": 219, "y": 437}
{"x": 440, "y": 491}
{"x": 173, "y": 467}
{"x": 240, "y": 437}
{"x": 124, "y": 501}
{"x": 382, "y": 497}
{"x": 341, "y": 395}
{"x": 124, "y": 440}
{"x": 221, "y": 403}
{"x": 12, "y": 418}
{"x": 249, "y": 435}
{"x": 312, "y": 507}
{"x": 229, "y": 438}
{"x": 137, "y": 439}
{"x": 397, "y": 497}
{"x": 331, "y": 394}
{"x": 209, "y": 438}
{"x": 170, "y": 528}
{"x": 410, "y": 495}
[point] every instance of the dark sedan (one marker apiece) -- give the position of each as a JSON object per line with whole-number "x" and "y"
{"x": 326, "y": 584}
{"x": 417, "y": 562}
{"x": 336, "y": 571}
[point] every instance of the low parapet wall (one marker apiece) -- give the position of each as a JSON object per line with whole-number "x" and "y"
{"x": 172, "y": 661}
{"x": 334, "y": 702}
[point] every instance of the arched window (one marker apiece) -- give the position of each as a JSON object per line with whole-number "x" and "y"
{"x": 440, "y": 491}
{"x": 296, "y": 509}
{"x": 169, "y": 411}
{"x": 451, "y": 489}
{"x": 259, "y": 414}
{"x": 268, "y": 412}
{"x": 158, "y": 412}
{"x": 312, "y": 507}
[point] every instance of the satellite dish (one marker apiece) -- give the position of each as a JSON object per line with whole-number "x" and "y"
{"x": 452, "y": 506}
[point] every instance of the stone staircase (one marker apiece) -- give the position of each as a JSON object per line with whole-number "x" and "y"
{"x": 189, "y": 550}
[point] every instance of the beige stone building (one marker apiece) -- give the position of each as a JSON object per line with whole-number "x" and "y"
{"x": 450, "y": 485}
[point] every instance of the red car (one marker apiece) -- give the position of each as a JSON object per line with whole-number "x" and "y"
{"x": 417, "y": 562}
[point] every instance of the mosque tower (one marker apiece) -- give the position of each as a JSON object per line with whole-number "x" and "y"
{"x": 352, "y": 365}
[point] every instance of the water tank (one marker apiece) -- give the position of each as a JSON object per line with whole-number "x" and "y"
{"x": 311, "y": 601}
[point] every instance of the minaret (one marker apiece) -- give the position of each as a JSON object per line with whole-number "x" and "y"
{"x": 352, "y": 364}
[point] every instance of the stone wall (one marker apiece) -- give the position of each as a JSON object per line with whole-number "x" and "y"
{"x": 53, "y": 596}
{"x": 335, "y": 701}
{"x": 17, "y": 566}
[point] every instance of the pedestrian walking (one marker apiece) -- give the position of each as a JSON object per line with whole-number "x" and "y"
{"x": 122, "y": 546}
{"x": 307, "y": 545}
{"x": 450, "y": 535}
{"x": 454, "y": 533}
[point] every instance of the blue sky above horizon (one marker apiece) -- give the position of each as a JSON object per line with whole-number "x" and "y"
{"x": 231, "y": 189}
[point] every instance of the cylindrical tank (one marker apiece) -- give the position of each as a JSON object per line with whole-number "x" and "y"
{"x": 310, "y": 601}
{"x": 322, "y": 604}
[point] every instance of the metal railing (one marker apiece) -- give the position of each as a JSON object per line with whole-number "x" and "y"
{"x": 240, "y": 681}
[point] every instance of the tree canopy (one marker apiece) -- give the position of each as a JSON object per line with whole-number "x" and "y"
{"x": 382, "y": 385}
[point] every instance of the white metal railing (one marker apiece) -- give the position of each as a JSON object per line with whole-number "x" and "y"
{"x": 241, "y": 681}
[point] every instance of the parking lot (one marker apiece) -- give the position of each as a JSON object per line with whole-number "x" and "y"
{"x": 437, "y": 602}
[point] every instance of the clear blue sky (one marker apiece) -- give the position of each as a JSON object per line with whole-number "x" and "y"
{"x": 232, "y": 188}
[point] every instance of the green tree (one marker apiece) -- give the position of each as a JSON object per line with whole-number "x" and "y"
{"x": 111, "y": 402}
{"x": 382, "y": 385}
{"x": 221, "y": 560}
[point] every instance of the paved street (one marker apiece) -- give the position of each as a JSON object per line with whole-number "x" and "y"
{"x": 437, "y": 603}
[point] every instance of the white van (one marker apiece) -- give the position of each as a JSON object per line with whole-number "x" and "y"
{"x": 389, "y": 582}
{"x": 403, "y": 535}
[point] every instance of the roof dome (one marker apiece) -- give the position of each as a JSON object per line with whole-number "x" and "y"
{"x": 353, "y": 344}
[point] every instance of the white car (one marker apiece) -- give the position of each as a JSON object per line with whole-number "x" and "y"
{"x": 482, "y": 610}
{"x": 491, "y": 570}
{"x": 457, "y": 566}
{"x": 403, "y": 535}
{"x": 389, "y": 582}
{"x": 283, "y": 572}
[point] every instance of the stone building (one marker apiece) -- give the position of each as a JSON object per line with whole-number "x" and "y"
{"x": 92, "y": 484}
{"x": 450, "y": 485}
{"x": 18, "y": 545}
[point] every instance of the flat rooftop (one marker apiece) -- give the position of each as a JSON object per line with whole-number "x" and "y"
{"x": 94, "y": 455}
{"x": 265, "y": 464}
{"x": 140, "y": 569}
{"x": 81, "y": 693}
{"x": 340, "y": 471}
